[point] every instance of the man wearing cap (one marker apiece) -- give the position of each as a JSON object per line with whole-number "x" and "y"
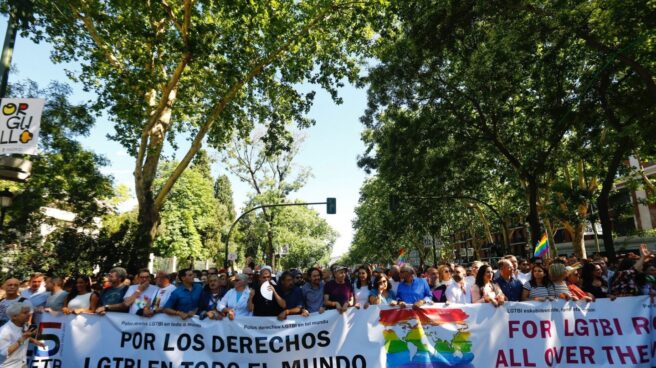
{"x": 412, "y": 290}
{"x": 338, "y": 293}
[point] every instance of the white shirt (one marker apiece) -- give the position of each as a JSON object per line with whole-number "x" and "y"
{"x": 9, "y": 334}
{"x": 37, "y": 298}
{"x": 145, "y": 299}
{"x": 395, "y": 285}
{"x": 362, "y": 295}
{"x": 524, "y": 277}
{"x": 163, "y": 295}
{"x": 456, "y": 294}
{"x": 82, "y": 301}
{"x": 240, "y": 306}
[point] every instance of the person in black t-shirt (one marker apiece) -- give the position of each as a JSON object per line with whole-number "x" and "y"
{"x": 259, "y": 305}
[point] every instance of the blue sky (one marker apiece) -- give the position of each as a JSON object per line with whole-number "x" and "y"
{"x": 330, "y": 150}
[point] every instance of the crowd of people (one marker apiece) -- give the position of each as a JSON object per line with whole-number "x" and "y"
{"x": 259, "y": 291}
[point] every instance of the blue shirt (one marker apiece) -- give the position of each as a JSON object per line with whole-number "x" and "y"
{"x": 417, "y": 290}
{"x": 293, "y": 298}
{"x": 312, "y": 297}
{"x": 183, "y": 299}
{"x": 511, "y": 289}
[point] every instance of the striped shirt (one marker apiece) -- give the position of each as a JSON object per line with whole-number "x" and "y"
{"x": 536, "y": 291}
{"x": 558, "y": 289}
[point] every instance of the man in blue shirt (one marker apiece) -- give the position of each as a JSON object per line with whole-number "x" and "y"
{"x": 292, "y": 295}
{"x": 511, "y": 287}
{"x": 412, "y": 290}
{"x": 313, "y": 293}
{"x": 183, "y": 301}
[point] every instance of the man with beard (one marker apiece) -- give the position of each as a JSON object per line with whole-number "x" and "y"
{"x": 313, "y": 292}
{"x": 111, "y": 298}
{"x": 292, "y": 294}
{"x": 459, "y": 291}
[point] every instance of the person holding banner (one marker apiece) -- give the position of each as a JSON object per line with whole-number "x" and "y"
{"x": 183, "y": 301}
{"x": 485, "y": 290}
{"x": 313, "y": 292}
{"x": 265, "y": 301}
{"x": 412, "y": 290}
{"x": 382, "y": 292}
{"x": 558, "y": 287}
{"x": 362, "y": 287}
{"x": 292, "y": 295}
{"x": 13, "y": 336}
{"x": 338, "y": 294}
{"x": 139, "y": 297}
{"x": 537, "y": 287}
{"x": 235, "y": 302}
{"x": 81, "y": 299}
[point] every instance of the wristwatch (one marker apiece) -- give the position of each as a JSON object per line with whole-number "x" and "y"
{"x": 106, "y": 306}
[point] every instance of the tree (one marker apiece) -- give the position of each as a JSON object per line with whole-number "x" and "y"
{"x": 512, "y": 80}
{"x": 202, "y": 68}
{"x": 271, "y": 176}
{"x": 64, "y": 176}
{"x": 192, "y": 218}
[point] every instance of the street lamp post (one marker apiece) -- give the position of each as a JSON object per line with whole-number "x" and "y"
{"x": 6, "y": 198}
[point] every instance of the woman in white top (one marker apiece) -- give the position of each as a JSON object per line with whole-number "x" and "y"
{"x": 82, "y": 299}
{"x": 235, "y": 301}
{"x": 485, "y": 290}
{"x": 362, "y": 287}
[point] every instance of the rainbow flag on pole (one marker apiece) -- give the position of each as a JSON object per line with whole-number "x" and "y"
{"x": 401, "y": 259}
{"x": 542, "y": 247}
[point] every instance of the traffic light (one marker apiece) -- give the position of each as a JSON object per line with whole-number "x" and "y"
{"x": 331, "y": 206}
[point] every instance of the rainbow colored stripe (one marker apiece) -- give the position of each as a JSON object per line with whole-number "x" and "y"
{"x": 542, "y": 247}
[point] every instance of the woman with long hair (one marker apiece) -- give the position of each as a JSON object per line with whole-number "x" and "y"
{"x": 592, "y": 281}
{"x": 382, "y": 292}
{"x": 362, "y": 287}
{"x": 537, "y": 288}
{"x": 484, "y": 289}
{"x": 81, "y": 299}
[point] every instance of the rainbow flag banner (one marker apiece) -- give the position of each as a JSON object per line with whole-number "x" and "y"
{"x": 542, "y": 247}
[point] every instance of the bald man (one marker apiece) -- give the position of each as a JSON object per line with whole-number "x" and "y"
{"x": 11, "y": 296}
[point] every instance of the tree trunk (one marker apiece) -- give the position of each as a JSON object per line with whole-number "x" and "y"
{"x": 149, "y": 220}
{"x": 603, "y": 204}
{"x": 533, "y": 216}
{"x": 578, "y": 241}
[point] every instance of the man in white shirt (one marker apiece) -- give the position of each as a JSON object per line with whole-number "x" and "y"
{"x": 458, "y": 291}
{"x": 14, "y": 336}
{"x": 524, "y": 274}
{"x": 165, "y": 286}
{"x": 140, "y": 297}
{"x": 36, "y": 293}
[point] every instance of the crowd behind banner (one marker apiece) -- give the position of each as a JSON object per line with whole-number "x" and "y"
{"x": 260, "y": 291}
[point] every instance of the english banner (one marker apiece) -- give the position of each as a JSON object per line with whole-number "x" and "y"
{"x": 573, "y": 334}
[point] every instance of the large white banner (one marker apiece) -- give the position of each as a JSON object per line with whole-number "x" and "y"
{"x": 20, "y": 121}
{"x": 604, "y": 333}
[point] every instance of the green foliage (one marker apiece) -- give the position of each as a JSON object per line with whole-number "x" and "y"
{"x": 192, "y": 218}
{"x": 495, "y": 101}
